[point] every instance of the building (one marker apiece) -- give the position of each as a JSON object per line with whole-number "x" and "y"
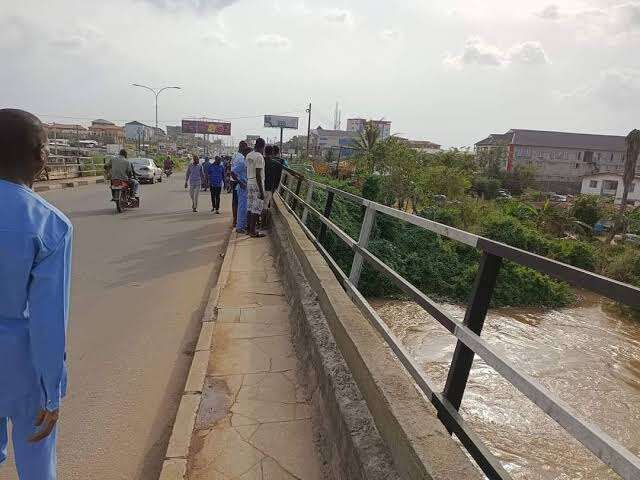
{"x": 610, "y": 185}
{"x": 560, "y": 159}
{"x": 423, "y": 146}
{"x": 358, "y": 125}
{"x": 158, "y": 132}
{"x": 106, "y": 132}
{"x": 174, "y": 131}
{"x": 339, "y": 142}
{"x": 65, "y": 130}
{"x": 138, "y": 131}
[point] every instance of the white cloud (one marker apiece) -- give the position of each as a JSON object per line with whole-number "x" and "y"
{"x": 217, "y": 39}
{"x": 273, "y": 40}
{"x": 339, "y": 16}
{"x": 550, "y": 12}
{"x": 390, "y": 34}
{"x": 528, "y": 53}
{"x": 14, "y": 32}
{"x": 76, "y": 38}
{"x": 478, "y": 52}
{"x": 617, "y": 88}
{"x": 196, "y": 5}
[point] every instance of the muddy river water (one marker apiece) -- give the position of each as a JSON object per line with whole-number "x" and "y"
{"x": 588, "y": 355}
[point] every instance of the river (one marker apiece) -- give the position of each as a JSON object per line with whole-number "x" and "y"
{"x": 588, "y": 355}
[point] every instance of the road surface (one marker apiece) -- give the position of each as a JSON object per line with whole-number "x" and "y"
{"x": 140, "y": 283}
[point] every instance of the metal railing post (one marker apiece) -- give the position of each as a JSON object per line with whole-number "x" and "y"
{"x": 327, "y": 212}
{"x": 294, "y": 204}
{"x": 363, "y": 241}
{"x": 474, "y": 319}
{"x": 309, "y": 199}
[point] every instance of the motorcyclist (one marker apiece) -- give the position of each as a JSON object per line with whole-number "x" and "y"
{"x": 121, "y": 168}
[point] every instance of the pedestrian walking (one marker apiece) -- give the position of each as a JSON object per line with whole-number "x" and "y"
{"x": 205, "y": 169}
{"x": 194, "y": 179}
{"x": 239, "y": 175}
{"x": 35, "y": 266}
{"x": 215, "y": 174}
{"x": 255, "y": 187}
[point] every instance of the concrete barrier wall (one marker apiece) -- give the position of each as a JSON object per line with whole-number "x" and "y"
{"x": 375, "y": 424}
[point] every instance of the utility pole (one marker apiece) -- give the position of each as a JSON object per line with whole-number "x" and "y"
{"x": 281, "y": 130}
{"x": 156, "y": 93}
{"x": 308, "y": 130}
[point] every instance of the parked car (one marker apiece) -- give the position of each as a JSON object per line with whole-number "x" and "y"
{"x": 146, "y": 170}
{"x": 556, "y": 197}
{"x": 503, "y": 194}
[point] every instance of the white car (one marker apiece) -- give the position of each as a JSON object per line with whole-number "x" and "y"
{"x": 146, "y": 170}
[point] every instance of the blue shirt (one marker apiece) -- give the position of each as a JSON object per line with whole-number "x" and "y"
{"x": 215, "y": 173}
{"x": 195, "y": 175}
{"x": 239, "y": 167}
{"x": 35, "y": 276}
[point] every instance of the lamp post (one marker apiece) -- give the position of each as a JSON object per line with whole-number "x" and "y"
{"x": 156, "y": 93}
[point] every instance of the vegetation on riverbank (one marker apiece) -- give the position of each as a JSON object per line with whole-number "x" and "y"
{"x": 445, "y": 269}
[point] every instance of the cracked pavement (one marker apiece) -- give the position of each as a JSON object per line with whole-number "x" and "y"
{"x": 254, "y": 421}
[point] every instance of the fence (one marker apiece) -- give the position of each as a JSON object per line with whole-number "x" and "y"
{"x": 469, "y": 343}
{"x": 59, "y": 167}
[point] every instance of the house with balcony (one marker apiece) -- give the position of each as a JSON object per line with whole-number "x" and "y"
{"x": 560, "y": 159}
{"x": 106, "y": 132}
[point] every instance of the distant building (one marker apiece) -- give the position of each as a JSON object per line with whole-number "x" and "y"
{"x": 106, "y": 132}
{"x": 421, "y": 145}
{"x": 610, "y": 185}
{"x": 174, "y": 131}
{"x": 158, "y": 132}
{"x": 358, "y": 125}
{"x": 340, "y": 142}
{"x": 138, "y": 131}
{"x": 560, "y": 159}
{"x": 65, "y": 130}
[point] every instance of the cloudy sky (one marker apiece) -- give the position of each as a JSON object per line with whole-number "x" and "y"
{"x": 450, "y": 71}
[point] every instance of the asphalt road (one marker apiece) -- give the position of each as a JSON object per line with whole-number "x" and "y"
{"x": 140, "y": 284}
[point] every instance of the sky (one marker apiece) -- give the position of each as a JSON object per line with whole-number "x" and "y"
{"x": 448, "y": 71}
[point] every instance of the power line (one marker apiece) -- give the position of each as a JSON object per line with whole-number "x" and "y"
{"x": 224, "y": 117}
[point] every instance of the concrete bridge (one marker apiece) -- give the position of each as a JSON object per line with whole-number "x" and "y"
{"x": 296, "y": 376}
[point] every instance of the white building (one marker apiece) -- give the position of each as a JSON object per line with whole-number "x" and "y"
{"x": 138, "y": 131}
{"x": 339, "y": 141}
{"x": 610, "y": 185}
{"x": 358, "y": 124}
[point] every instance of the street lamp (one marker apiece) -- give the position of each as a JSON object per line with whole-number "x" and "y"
{"x": 156, "y": 93}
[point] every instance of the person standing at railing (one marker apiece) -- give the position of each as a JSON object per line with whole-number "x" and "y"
{"x": 35, "y": 265}
{"x": 239, "y": 174}
{"x": 272, "y": 175}
{"x": 194, "y": 179}
{"x": 255, "y": 187}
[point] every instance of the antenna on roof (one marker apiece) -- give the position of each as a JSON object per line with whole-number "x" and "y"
{"x": 337, "y": 117}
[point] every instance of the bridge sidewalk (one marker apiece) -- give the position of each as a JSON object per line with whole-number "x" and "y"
{"x": 254, "y": 420}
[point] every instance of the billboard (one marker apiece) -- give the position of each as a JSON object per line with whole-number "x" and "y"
{"x": 278, "y": 121}
{"x": 206, "y": 126}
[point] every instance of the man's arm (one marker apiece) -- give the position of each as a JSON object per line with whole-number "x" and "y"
{"x": 259, "y": 180}
{"x": 48, "y": 300}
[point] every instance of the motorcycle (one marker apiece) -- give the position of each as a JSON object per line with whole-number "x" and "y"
{"x": 122, "y": 196}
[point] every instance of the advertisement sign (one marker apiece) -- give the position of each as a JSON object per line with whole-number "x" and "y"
{"x": 278, "y": 121}
{"x": 206, "y": 126}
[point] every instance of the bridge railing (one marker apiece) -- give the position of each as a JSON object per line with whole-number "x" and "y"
{"x": 469, "y": 342}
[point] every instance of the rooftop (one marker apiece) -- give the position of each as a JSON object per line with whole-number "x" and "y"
{"x": 544, "y": 138}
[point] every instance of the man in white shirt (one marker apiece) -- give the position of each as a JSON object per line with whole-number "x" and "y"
{"x": 255, "y": 186}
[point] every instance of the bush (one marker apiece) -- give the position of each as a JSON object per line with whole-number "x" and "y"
{"x": 486, "y": 187}
{"x": 519, "y": 210}
{"x": 587, "y": 209}
{"x": 511, "y": 231}
{"x": 576, "y": 253}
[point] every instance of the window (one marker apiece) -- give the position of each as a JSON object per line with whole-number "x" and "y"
{"x": 579, "y": 155}
{"x": 611, "y": 158}
{"x": 588, "y": 156}
{"x": 577, "y": 165}
{"x": 610, "y": 184}
{"x": 632, "y": 188}
{"x": 593, "y": 183}
{"x": 523, "y": 152}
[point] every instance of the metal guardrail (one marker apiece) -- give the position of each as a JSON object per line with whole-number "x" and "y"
{"x": 65, "y": 170}
{"x": 469, "y": 342}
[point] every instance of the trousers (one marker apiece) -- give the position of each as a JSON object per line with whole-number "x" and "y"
{"x": 194, "y": 193}
{"x": 241, "y": 223}
{"x": 34, "y": 461}
{"x": 215, "y": 197}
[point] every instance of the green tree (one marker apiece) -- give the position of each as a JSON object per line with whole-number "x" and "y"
{"x": 367, "y": 148}
{"x": 630, "y": 162}
{"x": 587, "y": 209}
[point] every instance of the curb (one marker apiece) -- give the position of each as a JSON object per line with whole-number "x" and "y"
{"x": 71, "y": 184}
{"x": 174, "y": 466}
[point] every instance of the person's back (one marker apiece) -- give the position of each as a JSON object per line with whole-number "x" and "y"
{"x": 121, "y": 168}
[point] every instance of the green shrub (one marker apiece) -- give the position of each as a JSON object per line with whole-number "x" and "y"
{"x": 519, "y": 210}
{"x": 587, "y": 209}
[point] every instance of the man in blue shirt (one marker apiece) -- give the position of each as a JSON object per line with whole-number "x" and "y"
{"x": 215, "y": 174}
{"x": 239, "y": 174}
{"x": 35, "y": 265}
